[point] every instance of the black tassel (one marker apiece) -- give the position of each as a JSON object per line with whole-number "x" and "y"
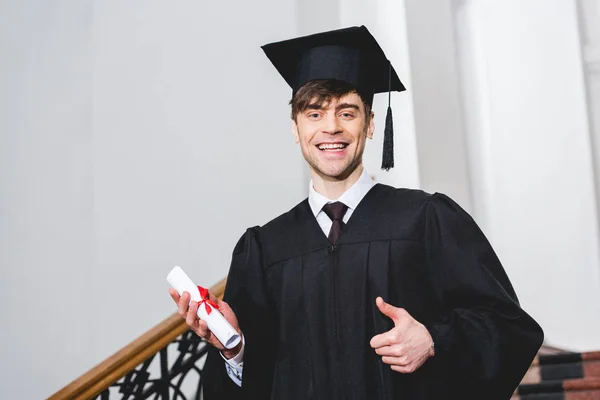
{"x": 387, "y": 161}
{"x": 388, "y": 142}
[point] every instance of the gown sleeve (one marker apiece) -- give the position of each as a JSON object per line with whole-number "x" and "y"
{"x": 246, "y": 293}
{"x": 484, "y": 337}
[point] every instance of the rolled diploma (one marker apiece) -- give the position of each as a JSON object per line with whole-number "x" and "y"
{"x": 216, "y": 322}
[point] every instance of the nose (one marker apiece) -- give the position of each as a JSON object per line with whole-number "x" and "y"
{"x": 331, "y": 126}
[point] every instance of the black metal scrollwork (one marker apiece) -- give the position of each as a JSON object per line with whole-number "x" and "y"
{"x": 158, "y": 379}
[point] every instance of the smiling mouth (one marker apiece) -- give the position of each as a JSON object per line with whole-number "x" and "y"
{"x": 332, "y": 146}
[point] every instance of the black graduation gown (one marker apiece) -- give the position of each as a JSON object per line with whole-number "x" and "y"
{"x": 307, "y": 308}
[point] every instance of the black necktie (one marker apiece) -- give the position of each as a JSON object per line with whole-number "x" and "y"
{"x": 335, "y": 212}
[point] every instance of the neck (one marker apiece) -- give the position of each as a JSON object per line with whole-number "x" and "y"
{"x": 332, "y": 188}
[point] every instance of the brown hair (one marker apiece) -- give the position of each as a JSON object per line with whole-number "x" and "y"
{"x": 322, "y": 91}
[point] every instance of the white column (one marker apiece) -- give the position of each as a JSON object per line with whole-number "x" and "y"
{"x": 529, "y": 140}
{"x": 589, "y": 18}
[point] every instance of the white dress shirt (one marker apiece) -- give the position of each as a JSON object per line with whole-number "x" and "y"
{"x": 351, "y": 198}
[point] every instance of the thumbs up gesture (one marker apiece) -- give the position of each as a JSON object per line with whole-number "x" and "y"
{"x": 406, "y": 346}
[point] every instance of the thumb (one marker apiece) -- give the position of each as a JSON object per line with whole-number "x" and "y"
{"x": 388, "y": 310}
{"x": 213, "y": 298}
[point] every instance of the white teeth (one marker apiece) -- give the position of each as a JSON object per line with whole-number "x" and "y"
{"x": 332, "y": 146}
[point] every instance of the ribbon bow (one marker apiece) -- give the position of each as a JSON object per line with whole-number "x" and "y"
{"x": 206, "y": 300}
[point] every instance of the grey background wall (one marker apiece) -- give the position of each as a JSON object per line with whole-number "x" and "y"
{"x": 131, "y": 141}
{"x": 139, "y": 135}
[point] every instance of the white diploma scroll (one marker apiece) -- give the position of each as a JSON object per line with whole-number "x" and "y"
{"x": 216, "y": 322}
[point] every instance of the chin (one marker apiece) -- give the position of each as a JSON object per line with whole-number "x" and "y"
{"x": 334, "y": 171}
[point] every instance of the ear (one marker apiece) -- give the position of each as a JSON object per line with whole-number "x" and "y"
{"x": 371, "y": 128}
{"x": 295, "y": 131}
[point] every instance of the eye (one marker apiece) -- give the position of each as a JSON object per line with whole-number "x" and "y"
{"x": 347, "y": 115}
{"x": 313, "y": 115}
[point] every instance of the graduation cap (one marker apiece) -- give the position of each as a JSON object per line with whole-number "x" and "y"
{"x": 351, "y": 55}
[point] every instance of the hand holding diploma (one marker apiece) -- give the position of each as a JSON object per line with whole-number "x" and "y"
{"x": 406, "y": 346}
{"x": 189, "y": 311}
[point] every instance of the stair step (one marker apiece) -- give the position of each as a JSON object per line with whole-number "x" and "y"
{"x": 566, "y": 358}
{"x": 580, "y": 395}
{"x": 559, "y": 375}
{"x": 568, "y": 389}
{"x": 553, "y": 372}
{"x": 563, "y": 366}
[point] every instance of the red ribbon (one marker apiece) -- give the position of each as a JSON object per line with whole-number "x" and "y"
{"x": 206, "y": 300}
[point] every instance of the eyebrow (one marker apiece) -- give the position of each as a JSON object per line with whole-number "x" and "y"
{"x": 339, "y": 107}
{"x": 346, "y": 105}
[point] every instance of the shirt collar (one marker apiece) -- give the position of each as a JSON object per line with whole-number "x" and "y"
{"x": 350, "y": 197}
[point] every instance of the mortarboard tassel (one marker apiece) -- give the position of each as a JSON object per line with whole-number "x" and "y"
{"x": 388, "y": 133}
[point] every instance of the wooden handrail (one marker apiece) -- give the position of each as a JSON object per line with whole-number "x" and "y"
{"x": 99, "y": 378}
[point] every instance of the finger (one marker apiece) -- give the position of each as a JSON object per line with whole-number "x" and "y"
{"x": 174, "y": 295}
{"x": 223, "y": 305}
{"x": 220, "y": 303}
{"x": 395, "y": 361}
{"x": 213, "y": 298}
{"x": 394, "y": 313}
{"x": 396, "y": 350}
{"x": 407, "y": 369}
{"x": 388, "y": 338}
{"x": 184, "y": 302}
{"x": 202, "y": 329}
{"x": 192, "y": 317}
{"x": 207, "y": 335}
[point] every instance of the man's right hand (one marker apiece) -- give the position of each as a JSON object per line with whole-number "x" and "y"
{"x": 199, "y": 326}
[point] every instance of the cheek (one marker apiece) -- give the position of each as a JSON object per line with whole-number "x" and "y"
{"x": 306, "y": 145}
{"x": 303, "y": 141}
{"x": 305, "y": 138}
{"x": 359, "y": 133}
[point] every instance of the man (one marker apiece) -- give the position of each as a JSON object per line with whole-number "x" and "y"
{"x": 362, "y": 291}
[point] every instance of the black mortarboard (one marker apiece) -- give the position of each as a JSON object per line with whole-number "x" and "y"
{"x": 351, "y": 55}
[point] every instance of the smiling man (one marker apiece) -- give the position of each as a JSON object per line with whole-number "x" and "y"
{"x": 362, "y": 291}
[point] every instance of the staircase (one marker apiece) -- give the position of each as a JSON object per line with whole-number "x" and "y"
{"x": 561, "y": 376}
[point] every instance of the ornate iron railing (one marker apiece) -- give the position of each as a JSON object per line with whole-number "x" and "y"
{"x": 156, "y": 379}
{"x": 164, "y": 363}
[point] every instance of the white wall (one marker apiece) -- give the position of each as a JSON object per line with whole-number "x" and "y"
{"x": 440, "y": 135}
{"x": 131, "y": 140}
{"x": 185, "y": 156}
{"x": 531, "y": 158}
{"x": 46, "y": 189}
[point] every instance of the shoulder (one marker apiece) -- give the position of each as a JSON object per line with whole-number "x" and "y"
{"x": 391, "y": 203}
{"x": 277, "y": 225}
{"x": 412, "y": 199}
{"x": 291, "y": 233}
{"x": 286, "y": 220}
{"x": 401, "y": 213}
{"x": 400, "y": 196}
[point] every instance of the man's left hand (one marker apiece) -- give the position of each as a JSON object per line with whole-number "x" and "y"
{"x": 406, "y": 346}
